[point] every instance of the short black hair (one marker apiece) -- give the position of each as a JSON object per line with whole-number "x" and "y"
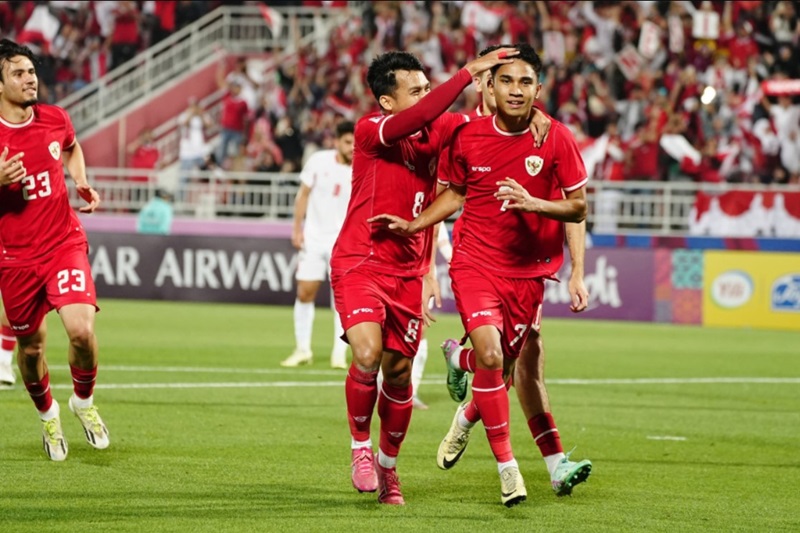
{"x": 344, "y": 127}
{"x": 9, "y": 49}
{"x": 526, "y": 54}
{"x": 380, "y": 76}
{"x": 492, "y": 48}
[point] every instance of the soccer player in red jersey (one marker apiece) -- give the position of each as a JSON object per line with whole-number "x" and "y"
{"x": 529, "y": 370}
{"x": 508, "y": 240}
{"x": 377, "y": 277}
{"x": 44, "y": 263}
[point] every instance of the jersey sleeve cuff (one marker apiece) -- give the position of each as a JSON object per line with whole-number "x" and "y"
{"x": 577, "y": 186}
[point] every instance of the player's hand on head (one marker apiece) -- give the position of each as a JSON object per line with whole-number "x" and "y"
{"x": 90, "y": 196}
{"x": 12, "y": 169}
{"x": 393, "y": 223}
{"x": 579, "y": 296}
{"x": 498, "y": 57}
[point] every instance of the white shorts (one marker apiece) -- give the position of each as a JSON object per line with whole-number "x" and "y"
{"x": 313, "y": 264}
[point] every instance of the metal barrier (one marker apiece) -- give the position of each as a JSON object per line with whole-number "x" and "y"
{"x": 631, "y": 208}
{"x": 237, "y": 29}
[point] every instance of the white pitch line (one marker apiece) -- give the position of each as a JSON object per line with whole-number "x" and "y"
{"x": 340, "y": 383}
{"x": 342, "y": 373}
{"x": 665, "y": 437}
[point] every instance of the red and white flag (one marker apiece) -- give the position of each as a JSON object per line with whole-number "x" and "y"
{"x": 676, "y": 37}
{"x": 781, "y": 87}
{"x": 649, "y": 39}
{"x": 40, "y": 30}
{"x": 629, "y": 62}
{"x": 273, "y": 18}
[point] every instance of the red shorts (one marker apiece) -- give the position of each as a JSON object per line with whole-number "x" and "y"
{"x": 512, "y": 305}
{"x": 361, "y": 295}
{"x": 31, "y": 291}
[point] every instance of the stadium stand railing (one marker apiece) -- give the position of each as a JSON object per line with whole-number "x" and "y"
{"x": 625, "y": 208}
{"x": 235, "y": 29}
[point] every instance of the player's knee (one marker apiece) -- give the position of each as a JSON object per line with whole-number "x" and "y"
{"x": 366, "y": 355}
{"x": 81, "y": 336}
{"x": 528, "y": 370}
{"x": 490, "y": 358}
{"x": 30, "y": 352}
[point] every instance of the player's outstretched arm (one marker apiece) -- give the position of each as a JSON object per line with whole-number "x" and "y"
{"x": 570, "y": 209}
{"x": 300, "y": 208}
{"x": 76, "y": 166}
{"x": 445, "y": 205}
{"x": 441, "y": 98}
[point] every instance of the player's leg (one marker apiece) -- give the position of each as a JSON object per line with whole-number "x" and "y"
{"x": 36, "y": 377}
{"x": 303, "y": 323}
{"x": 78, "y": 320}
{"x": 394, "y": 408}
{"x": 402, "y": 332}
{"x": 8, "y": 341}
{"x": 361, "y": 393}
{"x": 311, "y": 269}
{"x": 26, "y": 307}
{"x": 491, "y": 400}
{"x": 417, "y": 371}
{"x": 535, "y": 403}
{"x": 459, "y": 361}
{"x": 358, "y": 300}
{"x": 71, "y": 291}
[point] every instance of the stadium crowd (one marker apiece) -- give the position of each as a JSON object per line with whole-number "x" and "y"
{"x": 653, "y": 90}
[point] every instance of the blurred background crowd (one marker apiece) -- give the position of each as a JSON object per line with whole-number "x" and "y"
{"x": 653, "y": 90}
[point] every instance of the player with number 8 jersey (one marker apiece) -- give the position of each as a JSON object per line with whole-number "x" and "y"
{"x": 377, "y": 277}
{"x": 44, "y": 263}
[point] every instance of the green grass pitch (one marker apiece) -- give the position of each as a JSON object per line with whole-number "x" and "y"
{"x": 208, "y": 433}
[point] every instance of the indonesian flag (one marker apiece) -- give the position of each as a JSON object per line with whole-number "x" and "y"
{"x": 781, "y": 87}
{"x": 273, "y": 18}
{"x": 40, "y": 30}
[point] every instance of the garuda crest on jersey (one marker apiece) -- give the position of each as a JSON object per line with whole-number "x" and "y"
{"x": 534, "y": 164}
{"x": 55, "y": 150}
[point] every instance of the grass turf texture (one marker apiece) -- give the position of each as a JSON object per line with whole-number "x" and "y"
{"x": 276, "y": 458}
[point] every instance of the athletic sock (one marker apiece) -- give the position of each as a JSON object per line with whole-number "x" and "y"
{"x": 361, "y": 391}
{"x": 39, "y": 392}
{"x": 394, "y": 408}
{"x": 491, "y": 398}
{"x": 83, "y": 381}
{"x": 303, "y": 322}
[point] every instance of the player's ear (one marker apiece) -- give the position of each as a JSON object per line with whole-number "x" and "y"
{"x": 538, "y": 90}
{"x": 386, "y": 102}
{"x": 477, "y": 81}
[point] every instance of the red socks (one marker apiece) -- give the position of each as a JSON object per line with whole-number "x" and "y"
{"x": 466, "y": 360}
{"x": 83, "y": 381}
{"x": 39, "y": 392}
{"x": 491, "y": 400}
{"x": 545, "y": 434}
{"x": 361, "y": 391}
{"x": 394, "y": 408}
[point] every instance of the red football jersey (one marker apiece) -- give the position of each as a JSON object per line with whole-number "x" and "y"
{"x": 511, "y": 243}
{"x": 35, "y": 215}
{"x": 399, "y": 179}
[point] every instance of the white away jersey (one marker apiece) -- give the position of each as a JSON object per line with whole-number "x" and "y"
{"x": 330, "y": 184}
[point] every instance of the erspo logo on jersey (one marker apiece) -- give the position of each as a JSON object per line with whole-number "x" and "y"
{"x": 786, "y": 293}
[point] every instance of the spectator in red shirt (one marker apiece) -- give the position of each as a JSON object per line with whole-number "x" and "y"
{"x": 143, "y": 153}
{"x": 125, "y": 37}
{"x": 233, "y": 122}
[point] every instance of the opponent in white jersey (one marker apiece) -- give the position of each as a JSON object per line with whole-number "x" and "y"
{"x": 321, "y": 202}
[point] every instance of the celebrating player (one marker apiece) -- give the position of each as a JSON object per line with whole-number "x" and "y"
{"x": 529, "y": 370}
{"x": 377, "y": 277}
{"x": 45, "y": 264}
{"x": 507, "y": 241}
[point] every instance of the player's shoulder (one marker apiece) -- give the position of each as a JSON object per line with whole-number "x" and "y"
{"x": 475, "y": 127}
{"x": 50, "y": 111}
{"x": 370, "y": 120}
{"x": 560, "y": 131}
{"x": 321, "y": 157}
